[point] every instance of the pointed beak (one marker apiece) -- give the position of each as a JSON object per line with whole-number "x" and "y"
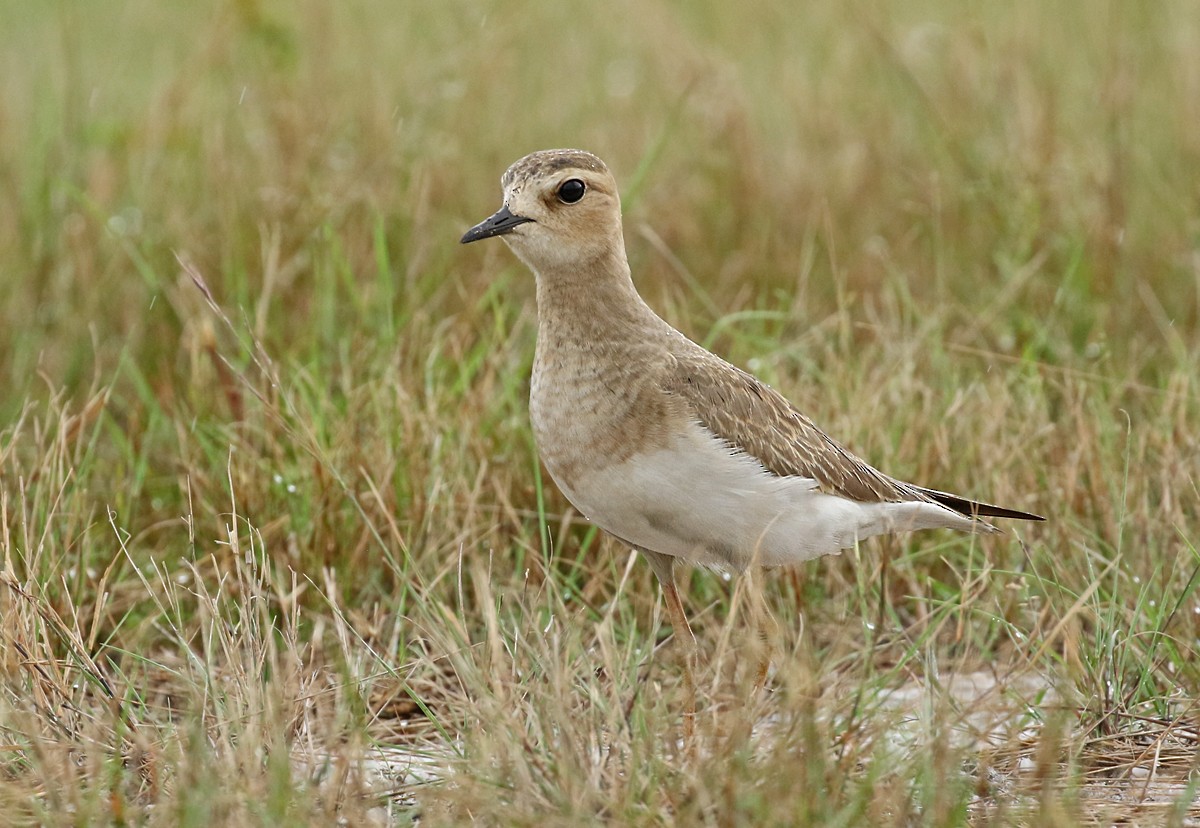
{"x": 497, "y": 224}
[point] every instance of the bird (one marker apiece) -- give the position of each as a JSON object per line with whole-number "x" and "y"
{"x": 662, "y": 444}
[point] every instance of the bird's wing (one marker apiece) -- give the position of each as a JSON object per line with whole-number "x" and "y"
{"x": 752, "y": 417}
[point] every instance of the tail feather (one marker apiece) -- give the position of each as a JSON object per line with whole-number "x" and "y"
{"x": 975, "y": 509}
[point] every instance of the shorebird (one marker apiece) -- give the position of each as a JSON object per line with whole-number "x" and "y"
{"x": 662, "y": 444}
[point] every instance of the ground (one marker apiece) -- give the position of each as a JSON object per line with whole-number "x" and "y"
{"x": 276, "y": 548}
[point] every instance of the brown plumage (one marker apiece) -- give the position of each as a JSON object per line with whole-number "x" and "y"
{"x": 659, "y": 442}
{"x": 755, "y": 418}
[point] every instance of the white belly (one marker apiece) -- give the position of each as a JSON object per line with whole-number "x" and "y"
{"x": 700, "y": 501}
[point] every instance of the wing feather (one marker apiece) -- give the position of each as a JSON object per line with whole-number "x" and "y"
{"x": 755, "y": 418}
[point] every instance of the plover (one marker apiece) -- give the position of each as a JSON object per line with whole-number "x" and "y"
{"x": 661, "y": 443}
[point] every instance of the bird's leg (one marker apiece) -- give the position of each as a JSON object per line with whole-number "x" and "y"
{"x": 664, "y": 568}
{"x": 767, "y": 629}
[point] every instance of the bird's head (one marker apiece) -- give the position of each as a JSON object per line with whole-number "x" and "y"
{"x": 561, "y": 210}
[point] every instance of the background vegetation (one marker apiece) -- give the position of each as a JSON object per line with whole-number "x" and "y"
{"x": 275, "y": 545}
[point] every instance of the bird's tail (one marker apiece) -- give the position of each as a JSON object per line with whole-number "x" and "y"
{"x": 975, "y": 509}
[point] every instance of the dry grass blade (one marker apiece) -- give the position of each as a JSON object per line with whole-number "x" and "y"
{"x": 274, "y": 541}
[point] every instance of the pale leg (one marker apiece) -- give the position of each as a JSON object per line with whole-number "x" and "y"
{"x": 664, "y": 568}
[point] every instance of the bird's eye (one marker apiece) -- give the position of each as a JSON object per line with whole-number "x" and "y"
{"x": 571, "y": 190}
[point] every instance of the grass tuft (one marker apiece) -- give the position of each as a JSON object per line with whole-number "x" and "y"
{"x": 274, "y": 543}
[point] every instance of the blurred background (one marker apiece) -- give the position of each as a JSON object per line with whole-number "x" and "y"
{"x": 964, "y": 237}
{"x": 1036, "y": 166}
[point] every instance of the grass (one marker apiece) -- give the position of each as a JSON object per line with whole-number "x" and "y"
{"x": 276, "y": 548}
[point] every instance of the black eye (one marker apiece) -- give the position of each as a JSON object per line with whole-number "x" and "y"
{"x": 571, "y": 190}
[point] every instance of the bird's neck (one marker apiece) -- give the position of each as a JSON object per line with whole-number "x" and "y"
{"x": 594, "y": 302}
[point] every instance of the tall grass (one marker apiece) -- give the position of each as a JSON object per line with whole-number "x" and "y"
{"x": 275, "y": 544}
